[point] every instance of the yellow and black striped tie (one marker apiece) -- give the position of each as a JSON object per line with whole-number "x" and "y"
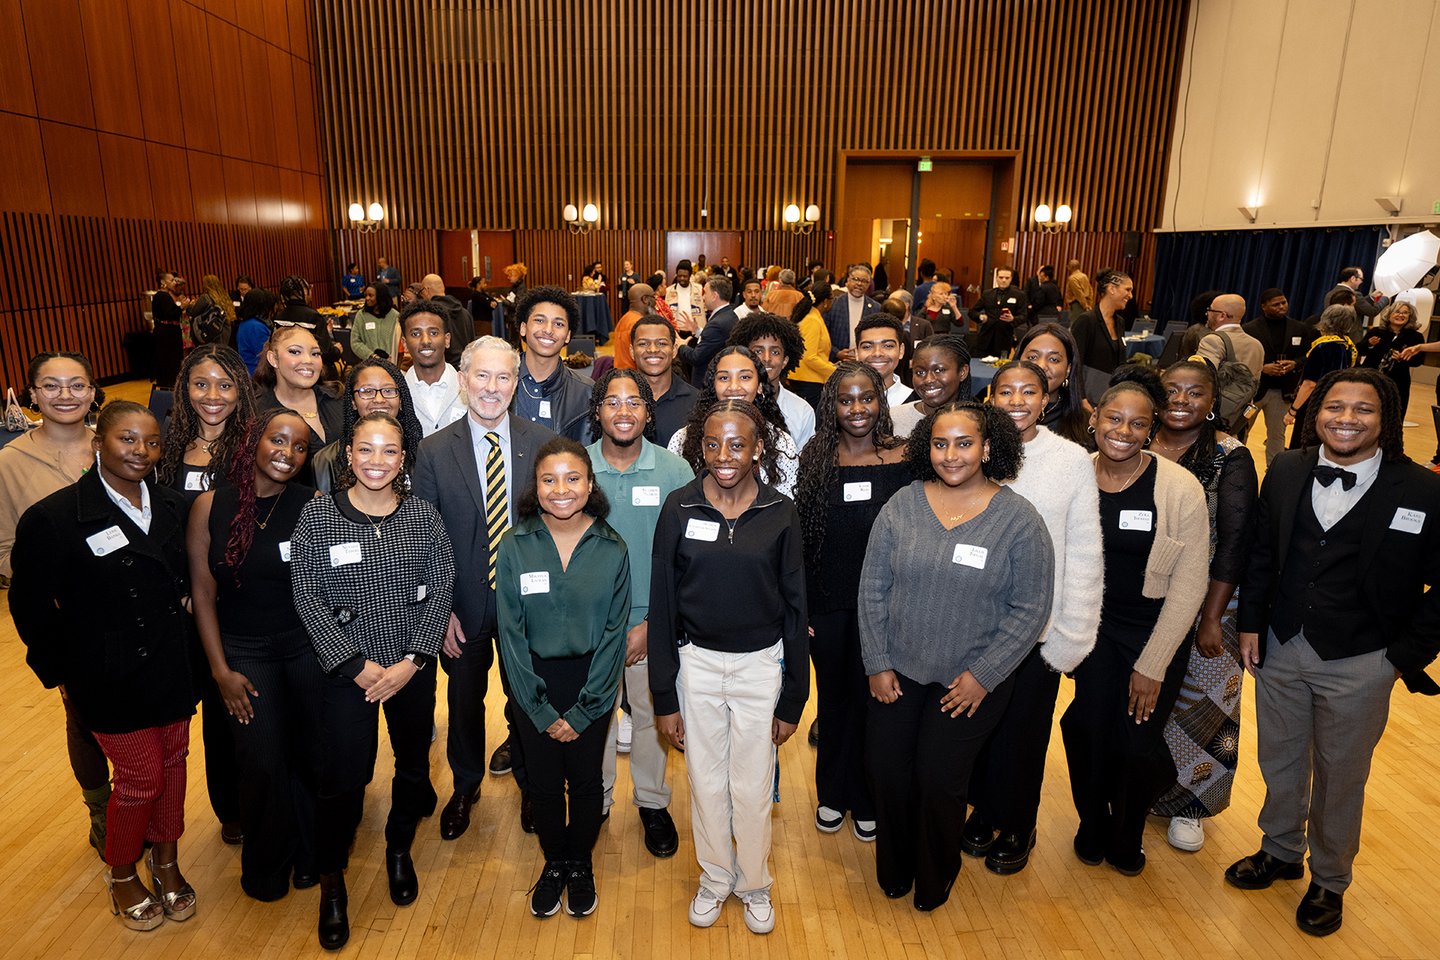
{"x": 497, "y": 509}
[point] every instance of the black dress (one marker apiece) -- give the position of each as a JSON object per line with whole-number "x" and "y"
{"x": 1382, "y": 357}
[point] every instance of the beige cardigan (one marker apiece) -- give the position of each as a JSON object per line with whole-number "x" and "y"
{"x": 28, "y": 474}
{"x": 1178, "y": 568}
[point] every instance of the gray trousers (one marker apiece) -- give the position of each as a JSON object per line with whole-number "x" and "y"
{"x": 1317, "y": 725}
{"x": 647, "y": 747}
{"x": 1272, "y": 406}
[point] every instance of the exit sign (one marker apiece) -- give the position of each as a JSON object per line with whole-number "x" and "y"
{"x": 1436, "y": 207}
{"x": 926, "y": 165}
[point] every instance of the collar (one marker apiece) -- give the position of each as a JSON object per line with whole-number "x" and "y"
{"x": 646, "y": 460}
{"x": 1364, "y": 471}
{"x": 860, "y": 299}
{"x": 119, "y": 499}
{"x": 694, "y": 495}
{"x": 534, "y": 525}
{"x": 1227, "y": 326}
{"x": 547, "y": 386}
{"x": 448, "y": 378}
{"x": 478, "y": 430}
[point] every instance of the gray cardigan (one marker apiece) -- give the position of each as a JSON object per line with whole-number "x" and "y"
{"x": 932, "y": 608}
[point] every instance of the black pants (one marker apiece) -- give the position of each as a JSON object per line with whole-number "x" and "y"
{"x": 919, "y": 762}
{"x": 278, "y": 758}
{"x": 469, "y": 676}
{"x": 555, "y": 769}
{"x": 349, "y": 739}
{"x": 1005, "y": 787}
{"x": 842, "y": 701}
{"x": 1118, "y": 768}
{"x": 87, "y": 760}
{"x": 222, "y": 775}
{"x": 806, "y": 390}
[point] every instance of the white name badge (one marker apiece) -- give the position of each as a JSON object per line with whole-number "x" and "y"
{"x": 545, "y": 409}
{"x": 857, "y": 491}
{"x": 420, "y": 593}
{"x": 107, "y": 541}
{"x": 1011, "y": 300}
{"x": 194, "y": 481}
{"x": 538, "y": 582}
{"x": 1137, "y": 520}
{"x": 370, "y": 325}
{"x": 345, "y": 553}
{"x": 645, "y": 497}
{"x": 707, "y": 530}
{"x": 1294, "y": 341}
{"x": 285, "y": 551}
{"x": 970, "y": 556}
{"x": 1408, "y": 521}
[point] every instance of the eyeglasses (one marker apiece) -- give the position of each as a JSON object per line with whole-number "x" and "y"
{"x": 50, "y": 389}
{"x": 629, "y": 403}
{"x": 370, "y": 393}
{"x": 1218, "y": 313}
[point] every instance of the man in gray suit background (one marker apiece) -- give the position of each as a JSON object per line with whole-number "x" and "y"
{"x": 474, "y": 471}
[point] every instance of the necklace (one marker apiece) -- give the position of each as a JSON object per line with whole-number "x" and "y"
{"x": 376, "y": 524}
{"x": 1135, "y": 473}
{"x": 956, "y": 518}
{"x": 262, "y": 523}
{"x": 309, "y": 416}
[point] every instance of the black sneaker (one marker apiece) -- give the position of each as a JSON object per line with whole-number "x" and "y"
{"x": 580, "y": 898}
{"x": 500, "y": 760}
{"x": 545, "y": 895}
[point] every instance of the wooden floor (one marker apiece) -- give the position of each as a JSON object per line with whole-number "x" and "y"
{"x": 473, "y": 891}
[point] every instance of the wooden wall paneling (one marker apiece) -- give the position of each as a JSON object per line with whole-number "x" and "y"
{"x": 54, "y": 38}
{"x": 240, "y": 192}
{"x": 307, "y": 155}
{"x": 269, "y": 210}
{"x": 298, "y": 15}
{"x": 17, "y": 89}
{"x": 110, "y": 57}
{"x": 197, "y": 121}
{"x": 170, "y": 182}
{"x": 156, "y": 76}
{"x": 126, "y": 170}
{"x": 275, "y": 28}
{"x": 413, "y": 252}
{"x": 292, "y": 198}
{"x": 283, "y": 96}
{"x": 72, "y": 162}
{"x": 207, "y": 187}
{"x": 232, "y": 104}
{"x": 689, "y": 245}
{"x": 499, "y": 246}
{"x": 256, "y": 85}
{"x": 25, "y": 187}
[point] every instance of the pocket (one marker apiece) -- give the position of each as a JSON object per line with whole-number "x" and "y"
{"x": 1163, "y": 556}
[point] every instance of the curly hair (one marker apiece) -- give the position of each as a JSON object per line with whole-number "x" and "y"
{"x": 32, "y": 374}
{"x": 242, "y": 477}
{"x": 1200, "y": 458}
{"x": 769, "y": 465}
{"x": 597, "y": 504}
{"x": 401, "y": 484}
{"x": 1392, "y": 410}
{"x": 602, "y": 387}
{"x": 820, "y": 460}
{"x": 764, "y": 401}
{"x": 184, "y": 425}
{"x": 555, "y": 295}
{"x": 955, "y": 345}
{"x": 1007, "y": 450}
{"x": 407, "y": 419}
{"x": 294, "y": 289}
{"x": 1066, "y": 416}
{"x": 757, "y": 325}
{"x": 265, "y": 374}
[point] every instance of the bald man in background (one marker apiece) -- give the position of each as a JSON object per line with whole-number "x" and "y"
{"x": 1226, "y": 314}
{"x": 642, "y": 304}
{"x": 458, "y": 322}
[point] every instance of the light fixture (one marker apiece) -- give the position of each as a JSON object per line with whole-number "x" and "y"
{"x": 1042, "y": 213}
{"x": 591, "y": 213}
{"x": 1052, "y": 220}
{"x": 366, "y": 221}
{"x": 1063, "y": 213}
{"x": 580, "y": 220}
{"x": 793, "y": 221}
{"x": 1249, "y": 213}
{"x": 792, "y": 213}
{"x": 1391, "y": 205}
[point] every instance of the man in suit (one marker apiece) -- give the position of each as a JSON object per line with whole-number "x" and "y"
{"x": 1333, "y": 610}
{"x": 458, "y": 321}
{"x": 698, "y": 351}
{"x": 1354, "y": 278}
{"x": 388, "y": 275}
{"x": 1285, "y": 341}
{"x": 473, "y": 469}
{"x": 997, "y": 311}
{"x": 846, "y": 312}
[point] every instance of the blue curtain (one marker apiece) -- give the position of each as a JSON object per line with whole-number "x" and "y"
{"x": 1303, "y": 263}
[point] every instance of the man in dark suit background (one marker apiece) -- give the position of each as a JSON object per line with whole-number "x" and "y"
{"x": 1333, "y": 610}
{"x": 1354, "y": 278}
{"x": 697, "y": 352}
{"x": 451, "y": 473}
{"x": 846, "y": 312}
{"x": 1285, "y": 340}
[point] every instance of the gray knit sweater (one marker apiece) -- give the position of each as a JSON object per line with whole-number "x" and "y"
{"x": 932, "y": 605}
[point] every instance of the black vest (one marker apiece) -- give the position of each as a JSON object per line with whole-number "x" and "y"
{"x": 1318, "y": 591}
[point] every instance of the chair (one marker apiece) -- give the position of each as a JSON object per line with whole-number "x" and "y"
{"x": 603, "y": 365}
{"x": 1174, "y": 326}
{"x": 1171, "y": 353}
{"x": 161, "y": 403}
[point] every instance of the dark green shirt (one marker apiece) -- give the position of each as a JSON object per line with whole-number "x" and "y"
{"x": 549, "y": 612}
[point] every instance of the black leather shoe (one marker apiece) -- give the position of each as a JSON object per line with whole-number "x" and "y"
{"x": 334, "y": 921}
{"x": 1091, "y": 858}
{"x": 404, "y": 885}
{"x": 813, "y": 737}
{"x": 304, "y": 879}
{"x": 661, "y": 838}
{"x": 527, "y": 813}
{"x": 1259, "y": 870}
{"x": 455, "y": 817}
{"x": 500, "y": 763}
{"x": 232, "y": 833}
{"x": 978, "y": 836}
{"x": 1128, "y": 867}
{"x": 1320, "y": 912}
{"x": 1010, "y": 853}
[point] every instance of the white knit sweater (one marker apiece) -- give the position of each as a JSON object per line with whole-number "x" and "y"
{"x": 1058, "y": 478}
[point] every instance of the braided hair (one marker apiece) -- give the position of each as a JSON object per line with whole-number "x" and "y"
{"x": 769, "y": 465}
{"x": 955, "y": 345}
{"x": 1200, "y": 458}
{"x": 242, "y": 477}
{"x": 764, "y": 401}
{"x": 1392, "y": 410}
{"x": 602, "y": 387}
{"x": 406, "y": 419}
{"x": 820, "y": 460}
{"x": 184, "y": 426}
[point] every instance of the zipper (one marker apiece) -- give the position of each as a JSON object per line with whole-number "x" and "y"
{"x": 730, "y": 528}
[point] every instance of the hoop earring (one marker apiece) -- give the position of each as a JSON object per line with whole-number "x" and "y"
{"x": 94, "y": 406}
{"x": 1090, "y": 429}
{"x": 1211, "y": 414}
{"x": 1065, "y": 382}
{"x": 1147, "y": 441}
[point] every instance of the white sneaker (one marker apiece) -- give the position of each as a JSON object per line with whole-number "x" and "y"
{"x": 1186, "y": 833}
{"x": 759, "y": 912}
{"x": 864, "y": 830}
{"x": 828, "y": 820}
{"x": 625, "y": 734}
{"x": 705, "y": 909}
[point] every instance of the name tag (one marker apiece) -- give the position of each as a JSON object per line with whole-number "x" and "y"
{"x": 195, "y": 481}
{"x": 1408, "y": 521}
{"x": 1294, "y": 341}
{"x": 370, "y": 325}
{"x": 1011, "y": 300}
{"x": 1137, "y": 520}
{"x": 857, "y": 491}
{"x": 420, "y": 593}
{"x": 707, "y": 530}
{"x": 545, "y": 409}
{"x": 538, "y": 582}
{"x": 970, "y": 556}
{"x": 108, "y": 541}
{"x": 345, "y": 553}
{"x": 285, "y": 551}
{"x": 645, "y": 497}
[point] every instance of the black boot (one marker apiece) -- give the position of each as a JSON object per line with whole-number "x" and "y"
{"x": 97, "y": 800}
{"x": 404, "y": 885}
{"x": 334, "y": 919}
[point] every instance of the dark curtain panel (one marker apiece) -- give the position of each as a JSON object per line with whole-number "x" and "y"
{"x": 1303, "y": 263}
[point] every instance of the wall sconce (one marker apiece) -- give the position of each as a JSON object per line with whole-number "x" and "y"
{"x": 793, "y": 221}
{"x": 1391, "y": 205}
{"x": 582, "y": 221}
{"x": 1052, "y": 221}
{"x": 366, "y": 221}
{"x": 1249, "y": 213}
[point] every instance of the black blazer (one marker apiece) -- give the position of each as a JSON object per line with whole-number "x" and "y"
{"x": 112, "y": 629}
{"x": 1279, "y": 344}
{"x": 1394, "y": 567}
{"x": 446, "y": 475}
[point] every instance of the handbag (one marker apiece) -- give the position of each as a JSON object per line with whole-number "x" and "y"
{"x": 15, "y": 419}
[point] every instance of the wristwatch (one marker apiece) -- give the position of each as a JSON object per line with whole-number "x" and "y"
{"x": 420, "y": 660}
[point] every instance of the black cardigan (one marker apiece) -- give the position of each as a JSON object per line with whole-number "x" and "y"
{"x": 112, "y": 629}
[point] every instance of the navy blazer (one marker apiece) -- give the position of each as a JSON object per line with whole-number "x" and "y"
{"x": 446, "y": 475}
{"x": 1394, "y": 567}
{"x": 837, "y": 321}
{"x": 698, "y": 353}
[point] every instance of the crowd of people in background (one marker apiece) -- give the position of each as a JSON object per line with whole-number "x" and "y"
{"x": 769, "y": 470}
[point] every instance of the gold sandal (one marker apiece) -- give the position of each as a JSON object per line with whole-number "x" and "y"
{"x": 134, "y": 917}
{"x": 178, "y": 904}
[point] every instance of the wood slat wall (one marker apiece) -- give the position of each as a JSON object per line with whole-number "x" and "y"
{"x": 413, "y": 252}
{"x": 653, "y": 109}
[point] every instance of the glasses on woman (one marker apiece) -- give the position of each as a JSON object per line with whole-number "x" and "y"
{"x": 50, "y": 389}
{"x": 370, "y": 393}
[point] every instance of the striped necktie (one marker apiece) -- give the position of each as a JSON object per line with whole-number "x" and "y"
{"x": 497, "y": 509}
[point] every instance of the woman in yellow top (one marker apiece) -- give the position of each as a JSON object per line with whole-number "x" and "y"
{"x": 815, "y": 366}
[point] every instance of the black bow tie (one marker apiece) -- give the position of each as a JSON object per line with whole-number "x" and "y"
{"x": 1328, "y": 475}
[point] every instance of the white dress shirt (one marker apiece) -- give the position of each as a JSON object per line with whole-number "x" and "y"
{"x": 437, "y": 405}
{"x": 140, "y": 515}
{"x": 1333, "y": 502}
{"x": 481, "y": 446}
{"x": 896, "y": 394}
{"x": 799, "y": 417}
